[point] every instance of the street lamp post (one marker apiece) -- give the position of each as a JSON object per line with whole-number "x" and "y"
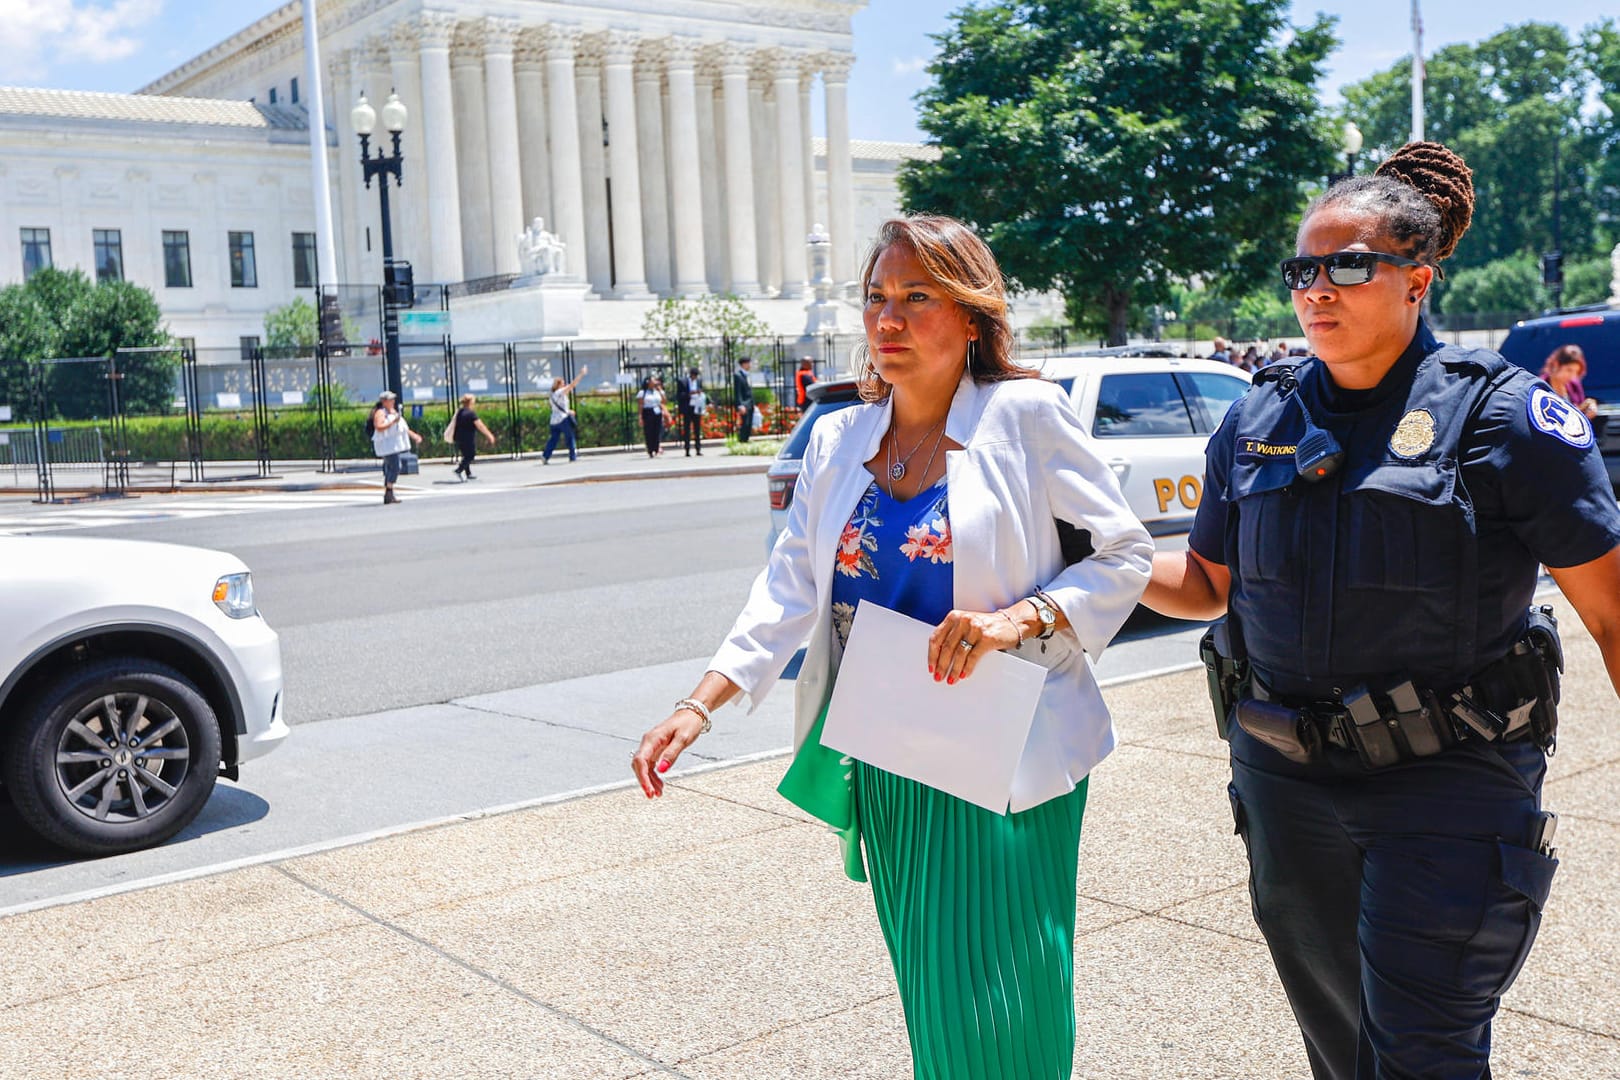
{"x": 396, "y": 275}
{"x": 1352, "y": 150}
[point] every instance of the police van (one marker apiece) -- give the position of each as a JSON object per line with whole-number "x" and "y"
{"x": 1149, "y": 417}
{"x": 1597, "y": 331}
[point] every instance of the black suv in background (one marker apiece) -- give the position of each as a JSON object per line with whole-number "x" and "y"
{"x": 1597, "y": 332}
{"x": 820, "y": 399}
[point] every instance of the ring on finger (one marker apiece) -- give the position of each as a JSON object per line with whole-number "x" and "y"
{"x": 965, "y": 644}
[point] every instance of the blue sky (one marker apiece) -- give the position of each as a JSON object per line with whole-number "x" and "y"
{"x": 120, "y": 45}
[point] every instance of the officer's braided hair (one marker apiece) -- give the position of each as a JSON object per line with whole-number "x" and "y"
{"x": 1423, "y": 196}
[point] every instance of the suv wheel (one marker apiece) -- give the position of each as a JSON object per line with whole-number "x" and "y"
{"x": 112, "y": 756}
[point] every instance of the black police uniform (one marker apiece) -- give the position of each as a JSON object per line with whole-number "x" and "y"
{"x": 1399, "y": 902}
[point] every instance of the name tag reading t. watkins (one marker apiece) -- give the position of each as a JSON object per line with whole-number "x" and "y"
{"x": 1262, "y": 450}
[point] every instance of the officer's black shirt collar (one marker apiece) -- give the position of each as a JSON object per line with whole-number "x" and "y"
{"x": 1335, "y": 399}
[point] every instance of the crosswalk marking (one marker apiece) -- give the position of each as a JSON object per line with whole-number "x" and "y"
{"x": 101, "y": 515}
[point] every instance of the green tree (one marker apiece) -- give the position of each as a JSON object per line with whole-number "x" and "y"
{"x": 698, "y": 330}
{"x": 1510, "y": 286}
{"x": 294, "y": 325}
{"x": 1510, "y": 104}
{"x": 1588, "y": 281}
{"x": 61, "y": 313}
{"x": 1107, "y": 148}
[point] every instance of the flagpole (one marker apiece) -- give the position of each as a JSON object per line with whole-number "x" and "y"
{"x": 1417, "y": 73}
{"x": 325, "y": 248}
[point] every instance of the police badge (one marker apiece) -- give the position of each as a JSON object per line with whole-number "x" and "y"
{"x": 1413, "y": 435}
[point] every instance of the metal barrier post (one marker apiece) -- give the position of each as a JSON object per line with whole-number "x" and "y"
{"x": 513, "y": 413}
{"x": 259, "y": 384}
{"x": 194, "y": 405}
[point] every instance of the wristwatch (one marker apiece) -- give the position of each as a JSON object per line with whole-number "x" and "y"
{"x": 1046, "y": 613}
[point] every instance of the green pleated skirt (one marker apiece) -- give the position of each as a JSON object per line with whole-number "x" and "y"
{"x": 977, "y": 910}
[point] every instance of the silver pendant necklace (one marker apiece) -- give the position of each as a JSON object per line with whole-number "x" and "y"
{"x": 897, "y": 465}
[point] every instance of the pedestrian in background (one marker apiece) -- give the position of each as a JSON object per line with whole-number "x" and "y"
{"x": 1372, "y": 527}
{"x": 690, "y": 402}
{"x": 977, "y": 907}
{"x": 742, "y": 396}
{"x": 1250, "y": 360}
{"x": 1563, "y": 371}
{"x": 564, "y": 423}
{"x": 1221, "y": 353}
{"x": 391, "y": 436}
{"x": 467, "y": 428}
{"x": 803, "y": 379}
{"x": 653, "y": 413}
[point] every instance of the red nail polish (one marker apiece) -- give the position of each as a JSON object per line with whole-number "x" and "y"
{"x": 663, "y": 766}
{"x": 951, "y": 681}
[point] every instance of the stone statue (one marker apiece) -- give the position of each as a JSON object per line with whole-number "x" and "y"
{"x": 540, "y": 252}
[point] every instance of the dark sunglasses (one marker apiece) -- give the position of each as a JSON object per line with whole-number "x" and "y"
{"x": 1343, "y": 267}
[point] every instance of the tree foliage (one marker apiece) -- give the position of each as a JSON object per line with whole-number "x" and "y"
{"x": 1509, "y": 286}
{"x": 59, "y": 314}
{"x": 722, "y": 316}
{"x": 1107, "y": 148}
{"x": 294, "y": 325}
{"x": 1513, "y": 105}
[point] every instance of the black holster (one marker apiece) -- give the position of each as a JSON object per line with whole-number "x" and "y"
{"x": 1227, "y": 672}
{"x": 1288, "y": 731}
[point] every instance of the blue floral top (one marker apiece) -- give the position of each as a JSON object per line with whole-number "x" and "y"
{"x": 896, "y": 553}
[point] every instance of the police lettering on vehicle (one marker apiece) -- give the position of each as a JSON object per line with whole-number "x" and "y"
{"x": 1552, "y": 415}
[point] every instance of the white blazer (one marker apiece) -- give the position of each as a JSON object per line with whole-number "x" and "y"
{"x": 1025, "y": 463}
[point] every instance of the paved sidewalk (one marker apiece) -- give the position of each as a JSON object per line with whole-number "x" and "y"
{"x": 712, "y": 935}
{"x": 492, "y": 469}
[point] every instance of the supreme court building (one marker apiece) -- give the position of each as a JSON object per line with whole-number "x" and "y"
{"x": 668, "y": 145}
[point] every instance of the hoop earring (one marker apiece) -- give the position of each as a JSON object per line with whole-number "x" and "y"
{"x": 973, "y": 353}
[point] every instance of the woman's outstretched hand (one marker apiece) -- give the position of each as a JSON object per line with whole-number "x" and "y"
{"x": 661, "y": 746}
{"x": 985, "y": 631}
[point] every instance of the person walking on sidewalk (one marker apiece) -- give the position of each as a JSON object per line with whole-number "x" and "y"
{"x": 1373, "y": 523}
{"x": 391, "y": 436}
{"x": 465, "y": 435}
{"x": 976, "y": 906}
{"x": 742, "y": 396}
{"x": 803, "y": 379}
{"x": 690, "y": 403}
{"x": 653, "y": 413}
{"x": 564, "y": 423}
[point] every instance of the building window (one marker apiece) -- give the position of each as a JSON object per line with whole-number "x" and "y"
{"x": 272, "y": 95}
{"x": 36, "y": 245}
{"x": 177, "y": 259}
{"x": 303, "y": 260}
{"x": 294, "y": 94}
{"x": 244, "y": 271}
{"x": 109, "y": 254}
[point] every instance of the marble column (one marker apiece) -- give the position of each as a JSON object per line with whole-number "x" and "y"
{"x": 767, "y": 195}
{"x": 649, "y": 77}
{"x": 809, "y": 64}
{"x": 598, "y": 266}
{"x": 624, "y": 163}
{"x": 562, "y": 116}
{"x": 366, "y": 265}
{"x": 472, "y": 150}
{"x": 533, "y": 151}
{"x": 840, "y": 169}
{"x": 743, "y": 263}
{"x": 505, "y": 174}
{"x": 686, "y": 150}
{"x": 789, "y": 174}
{"x": 411, "y": 210}
{"x": 434, "y": 31}
{"x": 711, "y": 122}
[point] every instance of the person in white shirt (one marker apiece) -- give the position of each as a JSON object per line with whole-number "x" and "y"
{"x": 564, "y": 423}
{"x": 965, "y": 493}
{"x": 654, "y": 413}
{"x": 391, "y": 436}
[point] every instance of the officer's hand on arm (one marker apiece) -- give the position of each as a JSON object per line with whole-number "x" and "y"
{"x": 1593, "y": 589}
{"x": 1185, "y": 585}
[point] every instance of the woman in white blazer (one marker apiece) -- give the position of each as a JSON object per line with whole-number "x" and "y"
{"x": 963, "y": 493}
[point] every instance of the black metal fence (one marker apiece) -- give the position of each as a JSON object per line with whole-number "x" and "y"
{"x": 158, "y": 419}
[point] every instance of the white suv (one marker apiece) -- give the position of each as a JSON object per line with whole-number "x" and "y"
{"x": 131, "y": 676}
{"x": 1150, "y": 418}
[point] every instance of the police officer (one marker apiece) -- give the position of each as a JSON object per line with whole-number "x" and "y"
{"x": 1372, "y": 527}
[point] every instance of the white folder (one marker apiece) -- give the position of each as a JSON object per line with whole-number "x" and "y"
{"x": 888, "y": 711}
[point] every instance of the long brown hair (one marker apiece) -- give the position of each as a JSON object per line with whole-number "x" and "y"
{"x": 963, "y": 266}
